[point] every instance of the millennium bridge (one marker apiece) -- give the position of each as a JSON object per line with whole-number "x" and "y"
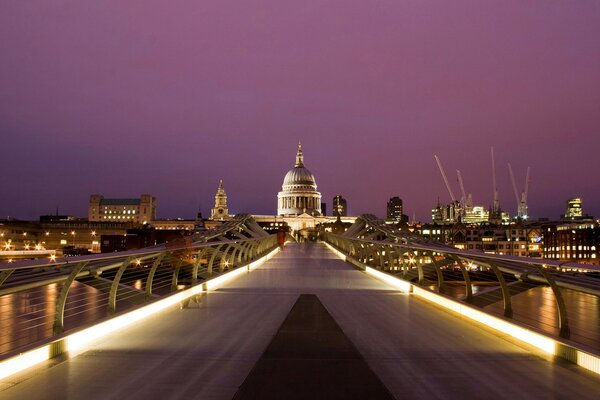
{"x": 372, "y": 312}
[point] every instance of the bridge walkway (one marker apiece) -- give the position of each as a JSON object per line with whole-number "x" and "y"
{"x": 208, "y": 350}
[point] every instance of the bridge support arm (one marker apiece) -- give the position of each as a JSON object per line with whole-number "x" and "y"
{"x": 563, "y": 319}
{"x": 112, "y": 296}
{"x": 61, "y": 301}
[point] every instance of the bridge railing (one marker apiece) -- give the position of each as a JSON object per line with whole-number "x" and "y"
{"x": 475, "y": 278}
{"x": 35, "y": 294}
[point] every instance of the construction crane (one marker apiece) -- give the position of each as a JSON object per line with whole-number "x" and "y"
{"x": 445, "y": 178}
{"x": 522, "y": 210}
{"x": 523, "y": 205}
{"x": 466, "y": 200}
{"x": 496, "y": 203}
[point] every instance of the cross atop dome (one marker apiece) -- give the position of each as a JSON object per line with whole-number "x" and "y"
{"x": 299, "y": 157}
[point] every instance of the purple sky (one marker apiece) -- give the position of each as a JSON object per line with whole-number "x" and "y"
{"x": 128, "y": 97}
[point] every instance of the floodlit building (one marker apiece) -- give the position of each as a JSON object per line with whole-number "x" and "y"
{"x": 574, "y": 208}
{"x": 299, "y": 194}
{"x": 220, "y": 212}
{"x": 132, "y": 210}
{"x": 578, "y": 242}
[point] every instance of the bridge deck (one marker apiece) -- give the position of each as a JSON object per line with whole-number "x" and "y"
{"x": 416, "y": 349}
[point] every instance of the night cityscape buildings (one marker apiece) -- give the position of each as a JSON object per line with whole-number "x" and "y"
{"x": 116, "y": 224}
{"x": 162, "y": 233}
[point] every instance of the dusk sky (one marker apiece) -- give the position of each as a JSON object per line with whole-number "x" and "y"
{"x": 165, "y": 97}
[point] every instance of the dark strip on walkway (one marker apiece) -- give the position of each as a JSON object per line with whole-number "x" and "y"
{"x": 310, "y": 357}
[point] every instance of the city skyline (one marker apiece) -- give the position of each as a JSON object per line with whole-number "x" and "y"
{"x": 197, "y": 93}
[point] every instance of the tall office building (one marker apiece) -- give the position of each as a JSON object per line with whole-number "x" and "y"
{"x": 394, "y": 209}
{"x": 340, "y": 206}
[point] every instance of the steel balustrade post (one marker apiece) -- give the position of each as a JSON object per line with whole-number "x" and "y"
{"x": 112, "y": 296}
{"x": 224, "y": 263}
{"x": 402, "y": 265}
{"x": 212, "y": 258}
{"x": 150, "y": 278}
{"x": 503, "y": 286}
{"x": 59, "y": 310}
{"x": 390, "y": 259}
{"x": 438, "y": 271}
{"x": 413, "y": 255}
{"x": 175, "y": 275}
{"x": 563, "y": 318}
{"x": 466, "y": 277}
{"x": 247, "y": 249}
{"x": 197, "y": 266}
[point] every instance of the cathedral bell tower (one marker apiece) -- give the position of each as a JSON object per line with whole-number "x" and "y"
{"x": 220, "y": 212}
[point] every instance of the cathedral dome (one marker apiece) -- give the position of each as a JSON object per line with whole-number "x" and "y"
{"x": 299, "y": 191}
{"x": 299, "y": 176}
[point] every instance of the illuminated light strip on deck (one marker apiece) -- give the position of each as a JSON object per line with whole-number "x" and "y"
{"x": 542, "y": 342}
{"x": 22, "y": 361}
{"x": 336, "y": 251}
{"x": 586, "y": 360}
{"x": 400, "y": 284}
{"x": 76, "y": 342}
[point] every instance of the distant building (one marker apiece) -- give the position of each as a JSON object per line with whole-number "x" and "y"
{"x": 578, "y": 242}
{"x": 340, "y": 206}
{"x": 476, "y": 215}
{"x": 574, "y": 208}
{"x": 515, "y": 240}
{"x": 299, "y": 194}
{"x": 394, "y": 209}
{"x": 395, "y": 212}
{"x": 220, "y": 212}
{"x": 323, "y": 208}
{"x": 446, "y": 215}
{"x": 178, "y": 224}
{"x": 140, "y": 211}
